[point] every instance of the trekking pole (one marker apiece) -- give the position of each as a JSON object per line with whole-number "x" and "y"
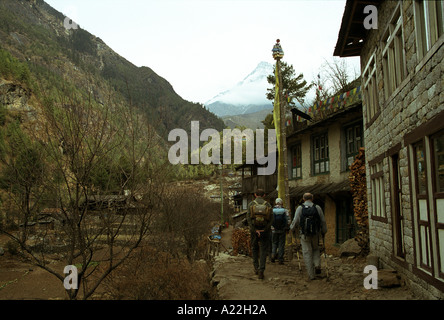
{"x": 289, "y": 245}
{"x": 299, "y": 260}
{"x": 325, "y": 255}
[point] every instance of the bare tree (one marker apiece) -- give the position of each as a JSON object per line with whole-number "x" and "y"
{"x": 337, "y": 76}
{"x": 103, "y": 166}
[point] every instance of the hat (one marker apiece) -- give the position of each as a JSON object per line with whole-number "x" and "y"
{"x": 279, "y": 200}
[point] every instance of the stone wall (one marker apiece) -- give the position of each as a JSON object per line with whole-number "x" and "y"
{"x": 416, "y": 100}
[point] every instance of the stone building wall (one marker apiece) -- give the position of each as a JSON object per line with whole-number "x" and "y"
{"x": 415, "y": 101}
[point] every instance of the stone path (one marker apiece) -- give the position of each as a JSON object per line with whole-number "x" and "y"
{"x": 235, "y": 280}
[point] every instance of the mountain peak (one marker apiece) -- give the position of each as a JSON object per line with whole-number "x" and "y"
{"x": 246, "y": 94}
{"x": 261, "y": 72}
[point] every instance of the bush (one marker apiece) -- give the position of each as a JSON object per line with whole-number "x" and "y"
{"x": 12, "y": 247}
{"x": 154, "y": 275}
{"x": 13, "y": 69}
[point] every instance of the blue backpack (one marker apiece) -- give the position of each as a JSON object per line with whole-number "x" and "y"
{"x": 280, "y": 218}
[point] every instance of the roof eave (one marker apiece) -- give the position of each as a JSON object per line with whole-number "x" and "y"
{"x": 352, "y": 33}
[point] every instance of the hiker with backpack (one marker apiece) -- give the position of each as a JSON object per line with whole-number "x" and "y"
{"x": 311, "y": 222}
{"x": 279, "y": 228}
{"x": 259, "y": 218}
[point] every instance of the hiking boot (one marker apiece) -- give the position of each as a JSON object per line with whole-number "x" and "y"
{"x": 261, "y": 275}
{"x": 318, "y": 270}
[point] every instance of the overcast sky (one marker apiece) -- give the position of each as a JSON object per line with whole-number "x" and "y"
{"x": 204, "y": 47}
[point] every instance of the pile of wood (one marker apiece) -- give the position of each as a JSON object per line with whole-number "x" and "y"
{"x": 358, "y": 185}
{"x": 240, "y": 241}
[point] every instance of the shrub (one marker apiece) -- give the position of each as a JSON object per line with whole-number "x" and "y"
{"x": 156, "y": 275}
{"x": 12, "y": 247}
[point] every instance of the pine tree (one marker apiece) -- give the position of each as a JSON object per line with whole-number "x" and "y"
{"x": 293, "y": 86}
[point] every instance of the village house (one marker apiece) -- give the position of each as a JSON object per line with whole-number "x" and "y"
{"x": 251, "y": 181}
{"x": 321, "y": 151}
{"x": 403, "y": 116}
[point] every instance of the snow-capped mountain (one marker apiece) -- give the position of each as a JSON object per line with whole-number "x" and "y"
{"x": 247, "y": 96}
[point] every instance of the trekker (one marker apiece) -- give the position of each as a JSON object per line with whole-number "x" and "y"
{"x": 279, "y": 228}
{"x": 260, "y": 218}
{"x": 310, "y": 218}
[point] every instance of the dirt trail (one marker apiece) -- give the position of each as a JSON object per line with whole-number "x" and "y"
{"x": 235, "y": 280}
{"x": 234, "y": 277}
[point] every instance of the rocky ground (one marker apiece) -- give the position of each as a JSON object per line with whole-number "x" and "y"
{"x": 235, "y": 279}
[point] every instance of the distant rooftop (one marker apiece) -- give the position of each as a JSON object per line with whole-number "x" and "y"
{"x": 329, "y": 109}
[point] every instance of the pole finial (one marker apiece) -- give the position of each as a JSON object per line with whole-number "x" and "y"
{"x": 278, "y": 53}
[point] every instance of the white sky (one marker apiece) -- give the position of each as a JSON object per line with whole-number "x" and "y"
{"x": 204, "y": 47}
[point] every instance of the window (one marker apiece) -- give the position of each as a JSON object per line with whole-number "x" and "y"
{"x": 393, "y": 61}
{"x": 420, "y": 168}
{"x": 397, "y": 210}
{"x": 321, "y": 162}
{"x": 428, "y": 24}
{"x": 426, "y": 161}
{"x": 438, "y": 148}
{"x": 377, "y": 189}
{"x": 296, "y": 169}
{"x": 422, "y": 206}
{"x": 371, "y": 90}
{"x": 438, "y": 196}
{"x": 354, "y": 141}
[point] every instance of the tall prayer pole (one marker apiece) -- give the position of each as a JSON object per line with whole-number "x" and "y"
{"x": 281, "y": 131}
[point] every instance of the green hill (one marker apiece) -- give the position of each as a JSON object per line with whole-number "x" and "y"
{"x": 60, "y": 59}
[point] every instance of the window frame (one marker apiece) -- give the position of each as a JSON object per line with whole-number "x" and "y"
{"x": 295, "y": 151}
{"x": 429, "y": 25}
{"x": 370, "y": 87}
{"x": 377, "y": 187}
{"x": 354, "y": 140}
{"x": 437, "y": 195}
{"x": 393, "y": 54}
{"x": 320, "y": 154}
{"x": 426, "y": 248}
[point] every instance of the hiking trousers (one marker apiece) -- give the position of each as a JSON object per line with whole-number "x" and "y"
{"x": 311, "y": 253}
{"x": 278, "y": 246}
{"x": 260, "y": 247}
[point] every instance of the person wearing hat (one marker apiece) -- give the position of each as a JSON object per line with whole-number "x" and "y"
{"x": 310, "y": 238}
{"x": 260, "y": 219}
{"x": 279, "y": 229}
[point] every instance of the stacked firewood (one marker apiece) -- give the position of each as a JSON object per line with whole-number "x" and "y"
{"x": 240, "y": 241}
{"x": 358, "y": 186}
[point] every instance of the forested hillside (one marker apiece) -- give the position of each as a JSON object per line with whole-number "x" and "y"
{"x": 57, "y": 58}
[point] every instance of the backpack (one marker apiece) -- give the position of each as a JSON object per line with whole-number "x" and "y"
{"x": 260, "y": 214}
{"x": 310, "y": 220}
{"x": 280, "y": 218}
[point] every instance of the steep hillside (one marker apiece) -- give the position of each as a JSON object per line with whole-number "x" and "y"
{"x": 249, "y": 120}
{"x": 57, "y": 58}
